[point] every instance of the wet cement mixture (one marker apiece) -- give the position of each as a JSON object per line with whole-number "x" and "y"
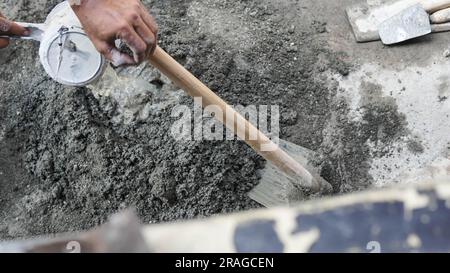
{"x": 70, "y": 157}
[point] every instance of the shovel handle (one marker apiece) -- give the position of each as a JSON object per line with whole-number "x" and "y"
{"x": 239, "y": 125}
{"x": 440, "y": 27}
{"x": 441, "y": 16}
{"x": 434, "y": 5}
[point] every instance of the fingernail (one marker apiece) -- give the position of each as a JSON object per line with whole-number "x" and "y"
{"x": 27, "y": 32}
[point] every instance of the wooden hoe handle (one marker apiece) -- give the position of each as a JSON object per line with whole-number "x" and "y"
{"x": 239, "y": 125}
{"x": 434, "y": 5}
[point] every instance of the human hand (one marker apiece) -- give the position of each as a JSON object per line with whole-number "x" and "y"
{"x": 7, "y": 28}
{"x": 105, "y": 21}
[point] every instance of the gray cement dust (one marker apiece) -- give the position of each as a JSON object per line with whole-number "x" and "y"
{"x": 71, "y": 157}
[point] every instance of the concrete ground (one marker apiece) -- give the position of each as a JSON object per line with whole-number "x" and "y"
{"x": 414, "y": 76}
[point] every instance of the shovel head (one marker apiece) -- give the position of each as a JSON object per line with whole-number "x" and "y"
{"x": 408, "y": 24}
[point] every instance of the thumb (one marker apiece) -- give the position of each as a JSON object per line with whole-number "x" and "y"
{"x": 12, "y": 28}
